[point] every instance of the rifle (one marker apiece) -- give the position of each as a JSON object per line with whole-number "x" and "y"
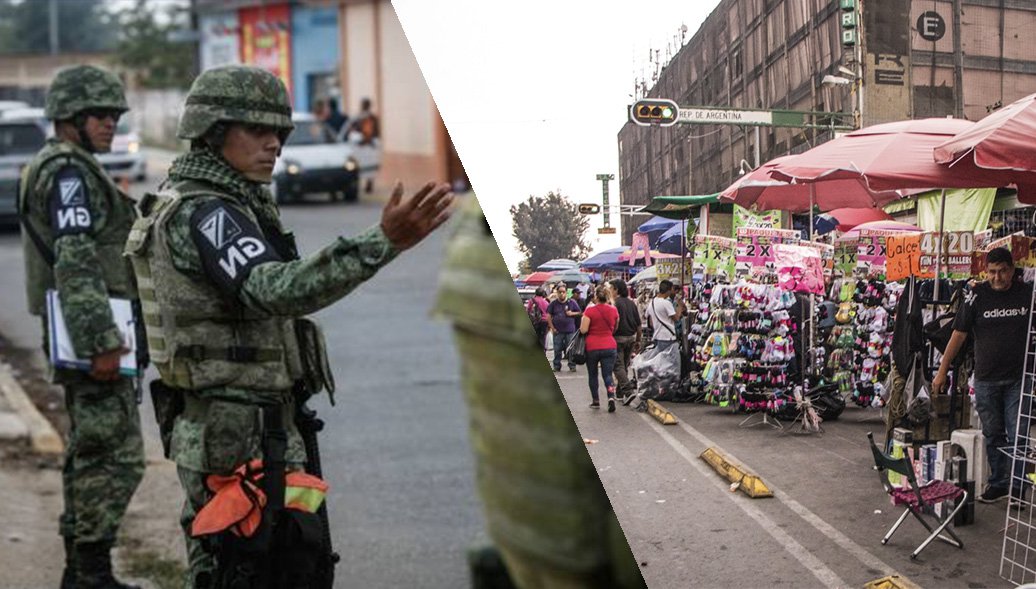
{"x": 318, "y": 376}
{"x": 309, "y": 425}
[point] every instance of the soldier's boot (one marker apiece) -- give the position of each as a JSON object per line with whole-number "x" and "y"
{"x": 68, "y": 577}
{"x": 94, "y": 566}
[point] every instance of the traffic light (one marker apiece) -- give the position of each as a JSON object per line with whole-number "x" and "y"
{"x": 589, "y": 209}
{"x": 654, "y": 111}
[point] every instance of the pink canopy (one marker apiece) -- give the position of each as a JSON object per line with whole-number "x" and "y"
{"x": 893, "y": 156}
{"x": 758, "y": 190}
{"x": 879, "y": 226}
{"x": 851, "y": 217}
{"x": 1001, "y": 141}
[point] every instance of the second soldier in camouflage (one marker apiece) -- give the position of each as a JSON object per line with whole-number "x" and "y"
{"x": 75, "y": 222}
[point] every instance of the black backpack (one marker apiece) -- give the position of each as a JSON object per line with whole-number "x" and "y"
{"x": 534, "y": 313}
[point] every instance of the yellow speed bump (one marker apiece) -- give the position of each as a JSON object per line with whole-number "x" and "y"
{"x": 659, "y": 412}
{"x": 891, "y": 582}
{"x": 741, "y": 479}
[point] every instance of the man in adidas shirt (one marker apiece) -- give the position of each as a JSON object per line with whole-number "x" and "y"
{"x": 996, "y": 315}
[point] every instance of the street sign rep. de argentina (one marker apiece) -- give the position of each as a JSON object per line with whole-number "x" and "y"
{"x": 736, "y": 117}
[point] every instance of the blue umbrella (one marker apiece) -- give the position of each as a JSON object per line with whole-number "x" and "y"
{"x": 655, "y": 226}
{"x": 571, "y": 277}
{"x": 557, "y": 264}
{"x": 609, "y": 257}
{"x": 669, "y": 242}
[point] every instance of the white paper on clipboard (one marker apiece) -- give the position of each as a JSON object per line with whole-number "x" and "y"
{"x": 62, "y": 352}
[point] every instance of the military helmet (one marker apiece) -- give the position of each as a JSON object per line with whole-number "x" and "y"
{"x": 83, "y": 87}
{"x": 237, "y": 94}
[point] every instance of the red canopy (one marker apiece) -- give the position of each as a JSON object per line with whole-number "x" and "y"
{"x": 1001, "y": 141}
{"x": 537, "y": 278}
{"x": 892, "y": 156}
{"x": 758, "y": 190}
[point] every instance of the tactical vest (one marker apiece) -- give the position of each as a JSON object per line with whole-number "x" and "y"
{"x": 197, "y": 338}
{"x": 109, "y": 239}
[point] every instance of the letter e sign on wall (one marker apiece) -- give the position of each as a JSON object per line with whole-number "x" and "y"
{"x": 931, "y": 26}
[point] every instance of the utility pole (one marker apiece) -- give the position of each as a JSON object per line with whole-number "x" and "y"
{"x": 52, "y": 8}
{"x": 958, "y": 63}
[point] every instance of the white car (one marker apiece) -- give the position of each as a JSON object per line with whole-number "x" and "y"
{"x": 20, "y": 139}
{"x": 125, "y": 160}
{"x": 312, "y": 160}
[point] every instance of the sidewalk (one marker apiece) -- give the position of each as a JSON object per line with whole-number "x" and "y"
{"x": 150, "y": 549}
{"x": 822, "y": 528}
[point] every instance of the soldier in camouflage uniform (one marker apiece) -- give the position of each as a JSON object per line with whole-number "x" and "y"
{"x": 219, "y": 294}
{"x": 75, "y": 222}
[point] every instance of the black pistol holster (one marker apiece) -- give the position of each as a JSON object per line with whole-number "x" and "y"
{"x": 168, "y": 403}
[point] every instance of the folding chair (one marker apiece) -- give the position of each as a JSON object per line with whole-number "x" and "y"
{"x": 918, "y": 499}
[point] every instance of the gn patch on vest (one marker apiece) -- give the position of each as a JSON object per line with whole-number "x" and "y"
{"x": 70, "y": 203}
{"x": 229, "y": 244}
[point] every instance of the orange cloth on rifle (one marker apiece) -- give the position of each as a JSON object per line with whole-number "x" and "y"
{"x": 238, "y": 499}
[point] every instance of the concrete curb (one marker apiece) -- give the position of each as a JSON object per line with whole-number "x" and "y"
{"x": 42, "y": 435}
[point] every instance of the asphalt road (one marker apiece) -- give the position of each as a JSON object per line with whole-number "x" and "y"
{"x": 395, "y": 449}
{"x": 823, "y": 528}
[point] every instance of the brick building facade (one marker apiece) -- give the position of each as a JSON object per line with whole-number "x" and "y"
{"x": 774, "y": 54}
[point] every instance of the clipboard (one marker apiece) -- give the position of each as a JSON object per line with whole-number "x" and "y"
{"x": 62, "y": 352}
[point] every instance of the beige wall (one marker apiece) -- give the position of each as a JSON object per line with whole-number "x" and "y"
{"x": 409, "y": 120}
{"x": 360, "y": 55}
{"x": 377, "y": 62}
{"x": 37, "y": 71}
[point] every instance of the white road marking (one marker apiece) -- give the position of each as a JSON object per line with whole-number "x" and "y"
{"x": 861, "y": 553}
{"x": 825, "y": 575}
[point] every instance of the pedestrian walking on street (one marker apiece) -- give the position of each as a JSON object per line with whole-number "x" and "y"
{"x": 662, "y": 315}
{"x": 75, "y": 221}
{"x": 537, "y": 306}
{"x": 561, "y": 314}
{"x": 996, "y": 315}
{"x": 226, "y": 292}
{"x": 627, "y": 337}
{"x": 599, "y": 323}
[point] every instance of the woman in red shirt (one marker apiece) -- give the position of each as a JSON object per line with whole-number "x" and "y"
{"x": 599, "y": 323}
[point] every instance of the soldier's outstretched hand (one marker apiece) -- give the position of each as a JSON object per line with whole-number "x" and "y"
{"x": 407, "y": 222}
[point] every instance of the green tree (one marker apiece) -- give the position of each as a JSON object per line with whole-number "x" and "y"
{"x": 83, "y": 26}
{"x": 549, "y": 227}
{"x": 145, "y": 47}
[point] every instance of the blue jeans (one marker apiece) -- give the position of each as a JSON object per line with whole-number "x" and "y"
{"x": 997, "y": 404}
{"x": 606, "y": 358}
{"x": 561, "y": 341}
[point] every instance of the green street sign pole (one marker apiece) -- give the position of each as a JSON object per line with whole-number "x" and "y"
{"x": 604, "y": 179}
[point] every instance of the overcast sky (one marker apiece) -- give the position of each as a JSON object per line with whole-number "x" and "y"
{"x": 534, "y": 93}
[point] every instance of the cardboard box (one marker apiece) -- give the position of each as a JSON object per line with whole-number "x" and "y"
{"x": 938, "y": 429}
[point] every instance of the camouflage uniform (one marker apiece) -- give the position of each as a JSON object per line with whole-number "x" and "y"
{"x": 545, "y": 507}
{"x": 81, "y": 220}
{"x": 209, "y": 277}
